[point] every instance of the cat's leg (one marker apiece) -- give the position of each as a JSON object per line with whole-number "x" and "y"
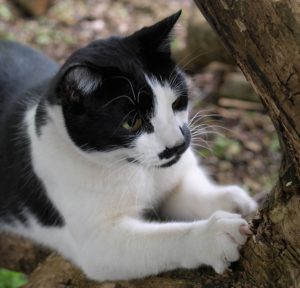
{"x": 197, "y": 197}
{"x": 132, "y": 248}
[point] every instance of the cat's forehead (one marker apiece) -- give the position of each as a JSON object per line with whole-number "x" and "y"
{"x": 124, "y": 55}
{"x": 116, "y": 57}
{"x": 114, "y": 67}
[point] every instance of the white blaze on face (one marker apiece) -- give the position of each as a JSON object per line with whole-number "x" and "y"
{"x": 166, "y": 124}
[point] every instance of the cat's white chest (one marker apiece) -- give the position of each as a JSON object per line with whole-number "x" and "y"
{"x": 97, "y": 192}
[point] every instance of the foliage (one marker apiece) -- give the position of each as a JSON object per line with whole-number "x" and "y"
{"x": 11, "y": 279}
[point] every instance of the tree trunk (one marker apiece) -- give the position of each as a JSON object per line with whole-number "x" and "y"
{"x": 264, "y": 38}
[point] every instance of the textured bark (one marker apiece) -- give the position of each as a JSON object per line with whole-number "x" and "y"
{"x": 264, "y": 38}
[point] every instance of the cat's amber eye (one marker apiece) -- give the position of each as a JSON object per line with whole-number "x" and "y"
{"x": 133, "y": 126}
{"x": 179, "y": 104}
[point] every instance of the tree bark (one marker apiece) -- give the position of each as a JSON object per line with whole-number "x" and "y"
{"x": 264, "y": 38}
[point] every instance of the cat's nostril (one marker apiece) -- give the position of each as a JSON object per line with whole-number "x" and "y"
{"x": 170, "y": 152}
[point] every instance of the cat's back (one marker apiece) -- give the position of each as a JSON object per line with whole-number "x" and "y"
{"x": 21, "y": 68}
{"x": 24, "y": 76}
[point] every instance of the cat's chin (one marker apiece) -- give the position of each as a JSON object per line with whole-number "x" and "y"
{"x": 170, "y": 163}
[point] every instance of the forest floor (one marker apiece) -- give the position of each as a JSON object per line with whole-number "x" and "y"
{"x": 240, "y": 145}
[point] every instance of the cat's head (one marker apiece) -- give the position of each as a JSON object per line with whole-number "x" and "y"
{"x": 126, "y": 96}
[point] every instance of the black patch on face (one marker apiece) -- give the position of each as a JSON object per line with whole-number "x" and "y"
{"x": 172, "y": 162}
{"x": 96, "y": 122}
{"x": 174, "y": 151}
{"x": 102, "y": 86}
{"x": 178, "y": 150}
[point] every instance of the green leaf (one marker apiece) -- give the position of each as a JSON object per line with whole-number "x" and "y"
{"x": 11, "y": 279}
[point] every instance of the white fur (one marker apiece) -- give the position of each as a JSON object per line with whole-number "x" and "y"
{"x": 87, "y": 82}
{"x": 166, "y": 126}
{"x": 101, "y": 197}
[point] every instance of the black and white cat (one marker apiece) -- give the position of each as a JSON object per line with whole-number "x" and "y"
{"x": 87, "y": 148}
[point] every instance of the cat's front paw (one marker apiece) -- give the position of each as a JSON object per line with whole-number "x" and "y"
{"x": 216, "y": 242}
{"x": 227, "y": 232}
{"x": 236, "y": 200}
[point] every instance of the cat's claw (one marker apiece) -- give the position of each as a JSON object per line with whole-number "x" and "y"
{"x": 219, "y": 243}
{"x": 245, "y": 230}
{"x": 227, "y": 233}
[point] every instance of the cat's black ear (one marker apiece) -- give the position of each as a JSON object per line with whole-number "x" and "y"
{"x": 78, "y": 82}
{"x": 156, "y": 38}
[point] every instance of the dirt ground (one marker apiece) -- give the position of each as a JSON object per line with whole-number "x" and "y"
{"x": 237, "y": 143}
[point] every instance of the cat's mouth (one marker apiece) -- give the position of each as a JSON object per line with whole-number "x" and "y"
{"x": 173, "y": 160}
{"x": 164, "y": 165}
{"x": 167, "y": 157}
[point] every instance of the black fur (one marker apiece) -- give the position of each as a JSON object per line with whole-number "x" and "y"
{"x": 88, "y": 87}
{"x": 178, "y": 150}
{"x": 116, "y": 66}
{"x": 24, "y": 74}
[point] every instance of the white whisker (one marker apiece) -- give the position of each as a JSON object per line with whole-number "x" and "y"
{"x": 129, "y": 82}
{"x": 117, "y": 98}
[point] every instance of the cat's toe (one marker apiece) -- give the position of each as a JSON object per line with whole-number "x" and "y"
{"x": 235, "y": 199}
{"x": 228, "y": 232}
